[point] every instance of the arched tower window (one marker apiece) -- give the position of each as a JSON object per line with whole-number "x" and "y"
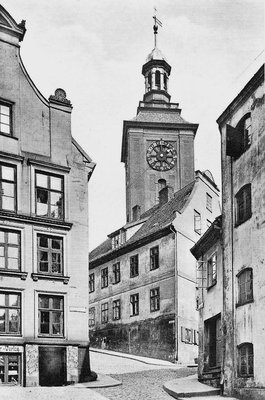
{"x": 149, "y": 81}
{"x": 162, "y": 183}
{"x": 165, "y": 81}
{"x": 157, "y": 79}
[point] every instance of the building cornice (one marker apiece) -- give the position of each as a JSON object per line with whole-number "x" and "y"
{"x": 34, "y": 220}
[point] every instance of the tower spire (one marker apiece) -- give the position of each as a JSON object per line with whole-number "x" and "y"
{"x": 155, "y": 27}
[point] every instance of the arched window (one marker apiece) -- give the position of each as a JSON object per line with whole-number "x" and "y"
{"x": 243, "y": 204}
{"x": 244, "y": 129}
{"x": 149, "y": 81}
{"x": 238, "y": 139}
{"x": 162, "y": 183}
{"x": 157, "y": 79}
{"x": 245, "y": 286}
{"x": 245, "y": 360}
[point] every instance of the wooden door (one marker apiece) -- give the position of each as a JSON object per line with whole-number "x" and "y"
{"x": 52, "y": 366}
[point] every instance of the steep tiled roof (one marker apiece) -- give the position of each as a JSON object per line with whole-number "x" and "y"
{"x": 160, "y": 218}
{"x": 154, "y": 116}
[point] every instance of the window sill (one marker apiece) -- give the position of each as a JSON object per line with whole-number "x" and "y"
{"x": 134, "y": 276}
{"x": 153, "y": 269}
{"x": 7, "y": 135}
{"x": 10, "y": 335}
{"x": 15, "y": 274}
{"x": 211, "y": 286}
{"x": 115, "y": 283}
{"x": 47, "y": 336}
{"x": 245, "y": 302}
{"x": 37, "y": 276}
{"x": 134, "y": 315}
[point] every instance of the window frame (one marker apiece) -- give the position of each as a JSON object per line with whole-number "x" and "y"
{"x": 14, "y": 182}
{"x": 116, "y": 310}
{"x": 243, "y": 204}
{"x": 50, "y": 252}
{"x": 8, "y": 245}
{"x": 51, "y": 311}
{"x": 241, "y": 299}
{"x": 211, "y": 271}
{"x": 197, "y": 220}
{"x": 209, "y": 202}
{"x": 134, "y": 303}
{"x": 7, "y": 309}
{"x": 105, "y": 313}
{"x": 154, "y": 258}
{"x": 104, "y": 277}
{"x": 155, "y": 299}
{"x": 49, "y": 191}
{"x": 10, "y": 117}
{"x": 6, "y": 364}
{"x": 116, "y": 269}
{"x": 249, "y": 359}
{"x": 91, "y": 282}
{"x": 134, "y": 266}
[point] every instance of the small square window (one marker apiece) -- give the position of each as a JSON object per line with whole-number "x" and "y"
{"x": 5, "y": 119}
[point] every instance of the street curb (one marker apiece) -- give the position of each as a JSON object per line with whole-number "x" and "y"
{"x": 179, "y": 395}
{"x": 103, "y": 381}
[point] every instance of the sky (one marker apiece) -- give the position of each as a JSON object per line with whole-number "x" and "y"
{"x": 95, "y": 49}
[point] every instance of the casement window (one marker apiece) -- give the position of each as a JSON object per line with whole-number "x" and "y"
{"x": 134, "y": 301}
{"x": 10, "y": 313}
{"x": 104, "y": 313}
{"x": 116, "y": 308}
{"x": 245, "y": 360}
{"x": 238, "y": 139}
{"x": 154, "y": 299}
{"x": 116, "y": 273}
{"x": 154, "y": 258}
{"x": 243, "y": 204}
{"x": 209, "y": 201}
{"x": 92, "y": 315}
{"x": 245, "y": 286}
{"x": 8, "y": 187}
{"x": 212, "y": 270}
{"x": 10, "y": 368}
{"x": 51, "y": 315}
{"x": 91, "y": 282}
{"x": 197, "y": 222}
{"x": 10, "y": 250}
{"x": 50, "y": 254}
{"x": 187, "y": 335}
{"x": 104, "y": 278}
{"x": 134, "y": 266}
{"x": 49, "y": 191}
{"x": 5, "y": 119}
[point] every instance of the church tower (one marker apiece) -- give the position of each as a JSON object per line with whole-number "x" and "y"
{"x": 158, "y": 144}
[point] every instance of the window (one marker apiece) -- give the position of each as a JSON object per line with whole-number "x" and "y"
{"x": 157, "y": 79}
{"x": 10, "y": 369}
{"x": 49, "y": 195}
{"x": 154, "y": 258}
{"x": 245, "y": 286}
{"x": 238, "y": 139}
{"x": 165, "y": 81}
{"x": 10, "y": 313}
{"x": 149, "y": 81}
{"x": 187, "y": 335}
{"x": 5, "y": 119}
{"x": 50, "y": 254}
{"x": 7, "y": 187}
{"x": 209, "y": 202}
{"x": 104, "y": 313}
{"x": 104, "y": 278}
{"x": 162, "y": 183}
{"x": 9, "y": 250}
{"x": 91, "y": 282}
{"x": 154, "y": 300}
{"x": 134, "y": 300}
{"x": 116, "y": 273}
{"x": 243, "y": 204}
{"x": 245, "y": 360}
{"x": 196, "y": 337}
{"x": 116, "y": 309}
{"x": 136, "y": 212}
{"x": 197, "y": 222}
{"x": 92, "y": 313}
{"x": 208, "y": 223}
{"x": 212, "y": 270}
{"x": 51, "y": 315}
{"x": 134, "y": 266}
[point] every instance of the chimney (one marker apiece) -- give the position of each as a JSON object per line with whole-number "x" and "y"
{"x": 165, "y": 195}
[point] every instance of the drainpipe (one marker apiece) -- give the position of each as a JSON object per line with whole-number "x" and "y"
{"x": 176, "y": 305}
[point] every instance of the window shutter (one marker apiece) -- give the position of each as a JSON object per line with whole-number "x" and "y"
{"x": 234, "y": 142}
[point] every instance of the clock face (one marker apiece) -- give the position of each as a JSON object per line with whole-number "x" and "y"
{"x": 161, "y": 155}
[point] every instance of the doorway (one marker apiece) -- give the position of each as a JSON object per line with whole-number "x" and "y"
{"x": 52, "y": 366}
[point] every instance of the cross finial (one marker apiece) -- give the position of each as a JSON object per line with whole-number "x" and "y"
{"x": 155, "y": 27}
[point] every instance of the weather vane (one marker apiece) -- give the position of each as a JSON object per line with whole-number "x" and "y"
{"x": 157, "y": 22}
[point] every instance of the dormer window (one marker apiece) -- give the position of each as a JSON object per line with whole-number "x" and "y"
{"x": 118, "y": 239}
{"x": 238, "y": 139}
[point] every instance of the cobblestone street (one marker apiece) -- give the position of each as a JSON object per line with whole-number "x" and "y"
{"x": 139, "y": 380}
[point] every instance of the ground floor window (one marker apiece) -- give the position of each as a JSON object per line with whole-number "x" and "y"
{"x": 10, "y": 368}
{"x": 245, "y": 359}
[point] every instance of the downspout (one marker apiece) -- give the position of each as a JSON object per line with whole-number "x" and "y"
{"x": 232, "y": 271}
{"x": 176, "y": 293}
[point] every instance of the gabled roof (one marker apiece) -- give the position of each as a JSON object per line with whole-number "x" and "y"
{"x": 160, "y": 219}
{"x": 9, "y": 25}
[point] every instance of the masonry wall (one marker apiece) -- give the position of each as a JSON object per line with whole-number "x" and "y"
{"x": 244, "y": 247}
